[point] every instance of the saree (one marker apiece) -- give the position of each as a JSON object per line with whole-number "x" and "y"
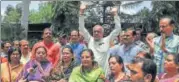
{"x": 172, "y": 79}
{"x": 60, "y": 72}
{"x": 8, "y": 73}
{"x": 93, "y": 75}
{"x": 37, "y": 76}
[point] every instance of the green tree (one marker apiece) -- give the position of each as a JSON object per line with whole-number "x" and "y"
{"x": 43, "y": 15}
{"x": 160, "y": 9}
{"x": 65, "y": 16}
{"x": 11, "y": 23}
{"x": 12, "y": 14}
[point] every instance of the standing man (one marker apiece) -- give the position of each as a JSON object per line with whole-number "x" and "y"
{"x": 16, "y": 44}
{"x": 5, "y": 47}
{"x": 168, "y": 42}
{"x": 76, "y": 46}
{"x": 24, "y": 46}
{"x": 53, "y": 50}
{"x": 128, "y": 50}
{"x": 97, "y": 43}
{"x": 138, "y": 40}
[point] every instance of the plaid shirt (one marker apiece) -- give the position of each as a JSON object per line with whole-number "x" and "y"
{"x": 172, "y": 46}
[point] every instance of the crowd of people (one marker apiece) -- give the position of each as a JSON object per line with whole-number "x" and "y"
{"x": 92, "y": 58}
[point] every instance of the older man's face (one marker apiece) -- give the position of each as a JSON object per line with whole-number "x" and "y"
{"x": 165, "y": 26}
{"x": 98, "y": 32}
{"x": 47, "y": 35}
{"x": 25, "y": 46}
{"x": 74, "y": 36}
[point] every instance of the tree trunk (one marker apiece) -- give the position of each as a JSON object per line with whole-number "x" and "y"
{"x": 24, "y": 19}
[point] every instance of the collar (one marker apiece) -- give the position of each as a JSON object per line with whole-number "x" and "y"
{"x": 48, "y": 45}
{"x": 28, "y": 55}
{"x": 126, "y": 48}
{"x": 74, "y": 45}
{"x": 170, "y": 37}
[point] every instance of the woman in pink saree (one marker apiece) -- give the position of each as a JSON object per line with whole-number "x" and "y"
{"x": 171, "y": 66}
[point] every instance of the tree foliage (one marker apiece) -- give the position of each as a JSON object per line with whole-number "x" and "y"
{"x": 65, "y": 16}
{"x": 43, "y": 15}
{"x": 151, "y": 19}
{"x": 12, "y": 14}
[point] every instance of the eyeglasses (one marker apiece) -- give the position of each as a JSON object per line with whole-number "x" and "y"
{"x": 164, "y": 26}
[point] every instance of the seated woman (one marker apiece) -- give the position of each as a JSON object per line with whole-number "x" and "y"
{"x": 11, "y": 69}
{"x": 116, "y": 68}
{"x": 171, "y": 67}
{"x": 89, "y": 71}
{"x": 64, "y": 68}
{"x": 36, "y": 68}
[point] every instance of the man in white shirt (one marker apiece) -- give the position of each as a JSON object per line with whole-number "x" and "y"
{"x": 97, "y": 43}
{"x": 24, "y": 46}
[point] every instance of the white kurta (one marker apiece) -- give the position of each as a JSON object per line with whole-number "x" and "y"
{"x": 100, "y": 48}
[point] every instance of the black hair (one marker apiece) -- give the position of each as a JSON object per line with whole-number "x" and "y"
{"x": 176, "y": 57}
{"x": 11, "y": 50}
{"x": 20, "y": 42}
{"x": 119, "y": 60}
{"x": 148, "y": 67}
{"x": 133, "y": 31}
{"x": 71, "y": 50}
{"x": 69, "y": 47}
{"x": 90, "y": 51}
{"x": 47, "y": 28}
{"x": 171, "y": 20}
{"x": 3, "y": 43}
{"x": 76, "y": 31}
{"x": 40, "y": 47}
{"x": 146, "y": 54}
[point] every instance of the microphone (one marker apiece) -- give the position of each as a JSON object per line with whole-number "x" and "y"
{"x": 34, "y": 66}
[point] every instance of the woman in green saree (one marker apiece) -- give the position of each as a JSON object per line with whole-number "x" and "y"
{"x": 89, "y": 71}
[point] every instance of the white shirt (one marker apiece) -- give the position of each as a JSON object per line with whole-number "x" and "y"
{"x": 100, "y": 48}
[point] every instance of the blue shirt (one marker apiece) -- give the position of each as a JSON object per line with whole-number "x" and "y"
{"x": 172, "y": 46}
{"x": 77, "y": 50}
{"x": 127, "y": 53}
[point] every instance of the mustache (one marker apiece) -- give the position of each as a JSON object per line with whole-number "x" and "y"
{"x": 48, "y": 37}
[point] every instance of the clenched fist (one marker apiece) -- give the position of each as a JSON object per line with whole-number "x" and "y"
{"x": 114, "y": 11}
{"x": 82, "y": 8}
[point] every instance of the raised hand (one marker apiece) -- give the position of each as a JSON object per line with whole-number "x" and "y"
{"x": 163, "y": 42}
{"x": 114, "y": 11}
{"x": 150, "y": 43}
{"x": 82, "y": 8}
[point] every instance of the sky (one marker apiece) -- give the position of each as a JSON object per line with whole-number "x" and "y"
{"x": 136, "y": 9}
{"x": 4, "y": 4}
{"x": 34, "y": 5}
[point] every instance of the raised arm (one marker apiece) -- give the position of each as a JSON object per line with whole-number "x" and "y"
{"x": 150, "y": 43}
{"x": 82, "y": 24}
{"x": 117, "y": 22}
